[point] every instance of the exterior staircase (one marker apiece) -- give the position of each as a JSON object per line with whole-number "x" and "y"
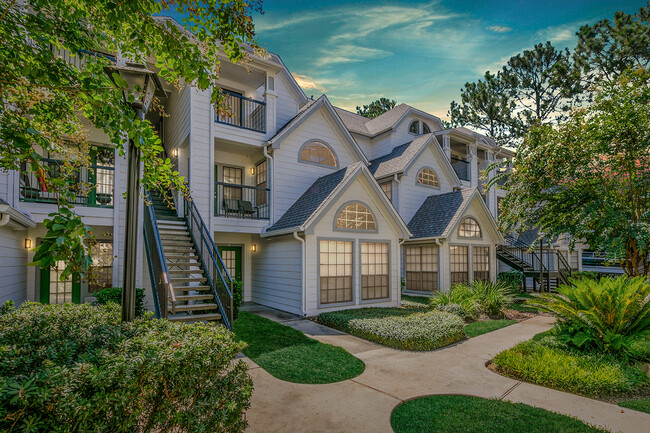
{"x": 189, "y": 293}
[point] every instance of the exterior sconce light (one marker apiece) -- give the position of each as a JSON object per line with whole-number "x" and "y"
{"x": 28, "y": 244}
{"x": 253, "y": 248}
{"x": 252, "y": 171}
{"x": 175, "y": 153}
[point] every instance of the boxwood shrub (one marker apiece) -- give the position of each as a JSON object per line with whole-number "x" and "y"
{"x": 76, "y": 368}
{"x": 114, "y": 294}
{"x": 398, "y": 328}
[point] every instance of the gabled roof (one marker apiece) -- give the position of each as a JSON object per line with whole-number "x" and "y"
{"x": 306, "y": 209}
{"x": 382, "y": 123}
{"x": 440, "y": 213}
{"x": 304, "y": 113}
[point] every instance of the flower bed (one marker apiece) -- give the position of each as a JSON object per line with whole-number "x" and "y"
{"x": 398, "y": 328}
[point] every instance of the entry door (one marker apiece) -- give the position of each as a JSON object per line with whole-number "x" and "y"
{"x": 232, "y": 260}
{"x": 55, "y": 291}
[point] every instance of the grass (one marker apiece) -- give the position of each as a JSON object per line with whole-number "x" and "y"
{"x": 475, "y": 329}
{"x": 398, "y": 328}
{"x": 642, "y": 405}
{"x": 417, "y": 302}
{"x": 290, "y": 355}
{"x": 545, "y": 362}
{"x": 459, "y": 413}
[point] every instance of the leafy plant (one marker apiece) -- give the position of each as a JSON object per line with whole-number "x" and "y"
{"x": 237, "y": 297}
{"x": 514, "y": 279}
{"x": 459, "y": 300}
{"x": 114, "y": 294}
{"x": 608, "y": 315}
{"x": 7, "y": 307}
{"x": 585, "y": 275}
{"x": 77, "y": 368}
{"x": 475, "y": 298}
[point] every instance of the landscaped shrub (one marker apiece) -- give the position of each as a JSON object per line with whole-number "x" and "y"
{"x": 459, "y": 300}
{"x": 476, "y": 297}
{"x": 550, "y": 363}
{"x": 398, "y": 328}
{"x": 76, "y": 368}
{"x": 609, "y": 315}
{"x": 585, "y": 275}
{"x": 237, "y": 297}
{"x": 114, "y": 294}
{"x": 513, "y": 279}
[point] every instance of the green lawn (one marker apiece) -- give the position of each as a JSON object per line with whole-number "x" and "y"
{"x": 642, "y": 405}
{"x": 458, "y": 413}
{"x": 415, "y": 302}
{"x": 290, "y": 355}
{"x": 475, "y": 329}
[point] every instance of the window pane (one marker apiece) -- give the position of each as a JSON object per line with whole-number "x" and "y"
{"x": 428, "y": 177}
{"x": 481, "y": 263}
{"x": 357, "y": 217}
{"x": 388, "y": 190}
{"x": 425, "y": 128}
{"x": 319, "y": 153}
{"x": 102, "y": 267}
{"x": 469, "y": 228}
{"x": 233, "y": 176}
{"x": 458, "y": 264}
{"x": 335, "y": 271}
{"x": 414, "y": 127}
{"x": 374, "y": 270}
{"x": 422, "y": 268}
{"x": 260, "y": 178}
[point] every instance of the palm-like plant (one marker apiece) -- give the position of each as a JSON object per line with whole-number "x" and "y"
{"x": 476, "y": 297}
{"x": 608, "y": 314}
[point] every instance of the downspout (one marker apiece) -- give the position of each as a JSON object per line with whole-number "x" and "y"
{"x": 269, "y": 158}
{"x": 304, "y": 273}
{"x": 5, "y": 219}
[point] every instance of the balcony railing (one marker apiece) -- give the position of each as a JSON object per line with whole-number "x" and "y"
{"x": 241, "y": 201}
{"x": 243, "y": 112}
{"x": 461, "y": 167}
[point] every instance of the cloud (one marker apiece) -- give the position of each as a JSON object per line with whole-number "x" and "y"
{"x": 347, "y": 53}
{"x": 500, "y": 29}
{"x": 307, "y": 82}
{"x": 560, "y": 34}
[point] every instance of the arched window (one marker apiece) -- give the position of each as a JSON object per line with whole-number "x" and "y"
{"x": 425, "y": 128}
{"x": 428, "y": 177}
{"x": 414, "y": 127}
{"x": 318, "y": 153}
{"x": 357, "y": 217}
{"x": 469, "y": 228}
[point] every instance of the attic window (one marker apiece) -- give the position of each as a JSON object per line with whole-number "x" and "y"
{"x": 356, "y": 216}
{"x": 318, "y": 153}
{"x": 469, "y": 228}
{"x": 428, "y": 177}
{"x": 414, "y": 127}
{"x": 425, "y": 128}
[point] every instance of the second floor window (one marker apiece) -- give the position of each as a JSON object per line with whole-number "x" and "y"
{"x": 261, "y": 182}
{"x": 233, "y": 176}
{"x": 428, "y": 177}
{"x": 425, "y": 128}
{"x": 387, "y": 187}
{"x": 318, "y": 153}
{"x": 414, "y": 127}
{"x": 469, "y": 228}
{"x": 356, "y": 216}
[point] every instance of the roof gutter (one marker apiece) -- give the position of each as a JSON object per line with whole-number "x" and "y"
{"x": 269, "y": 159}
{"x": 288, "y": 231}
{"x": 304, "y": 274}
{"x": 8, "y": 212}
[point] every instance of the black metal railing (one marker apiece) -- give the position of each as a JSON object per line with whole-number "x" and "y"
{"x": 522, "y": 252}
{"x": 216, "y": 273}
{"x": 242, "y": 112}
{"x": 563, "y": 267}
{"x": 462, "y": 168}
{"x": 241, "y": 201}
{"x": 158, "y": 272}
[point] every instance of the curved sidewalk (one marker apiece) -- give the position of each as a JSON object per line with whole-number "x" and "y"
{"x": 365, "y": 403}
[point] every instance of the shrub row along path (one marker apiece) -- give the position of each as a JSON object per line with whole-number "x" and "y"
{"x": 365, "y": 403}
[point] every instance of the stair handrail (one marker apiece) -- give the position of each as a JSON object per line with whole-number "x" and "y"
{"x": 160, "y": 278}
{"x": 194, "y": 219}
{"x": 522, "y": 248}
{"x": 563, "y": 267}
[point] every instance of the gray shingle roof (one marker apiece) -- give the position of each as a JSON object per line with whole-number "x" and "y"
{"x": 398, "y": 159}
{"x": 363, "y": 125}
{"x": 354, "y": 122}
{"x": 439, "y": 213}
{"x": 315, "y": 197}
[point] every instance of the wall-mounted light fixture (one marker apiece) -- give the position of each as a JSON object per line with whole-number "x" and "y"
{"x": 253, "y": 248}
{"x": 28, "y": 244}
{"x": 252, "y": 171}
{"x": 175, "y": 153}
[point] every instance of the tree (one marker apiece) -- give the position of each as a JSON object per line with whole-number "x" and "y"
{"x": 375, "y": 108}
{"x": 543, "y": 81}
{"x": 590, "y": 175}
{"x": 607, "y": 49}
{"x": 46, "y": 102}
{"x": 486, "y": 105}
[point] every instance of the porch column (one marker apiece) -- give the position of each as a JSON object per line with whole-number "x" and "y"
{"x": 446, "y": 146}
{"x": 473, "y": 164}
{"x": 492, "y": 193}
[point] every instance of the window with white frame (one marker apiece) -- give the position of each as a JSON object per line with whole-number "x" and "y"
{"x": 422, "y": 268}
{"x": 425, "y": 128}
{"x": 414, "y": 127}
{"x": 481, "y": 263}
{"x": 101, "y": 275}
{"x": 374, "y": 270}
{"x": 428, "y": 177}
{"x": 335, "y": 263}
{"x": 469, "y": 228}
{"x": 459, "y": 263}
{"x": 356, "y": 216}
{"x": 318, "y": 153}
{"x": 387, "y": 187}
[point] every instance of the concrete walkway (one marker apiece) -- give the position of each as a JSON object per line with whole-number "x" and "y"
{"x": 365, "y": 403}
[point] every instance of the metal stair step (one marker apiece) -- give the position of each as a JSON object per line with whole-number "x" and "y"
{"x": 182, "y": 250}
{"x": 189, "y": 288}
{"x": 189, "y": 280}
{"x": 195, "y": 307}
{"x": 186, "y": 271}
{"x": 195, "y": 317}
{"x": 183, "y": 298}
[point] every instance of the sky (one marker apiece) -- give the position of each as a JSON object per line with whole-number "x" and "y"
{"x": 418, "y": 53}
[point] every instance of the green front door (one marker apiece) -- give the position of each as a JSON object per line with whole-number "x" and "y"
{"x": 231, "y": 257}
{"x": 55, "y": 291}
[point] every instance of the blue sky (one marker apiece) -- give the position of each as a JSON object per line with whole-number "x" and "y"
{"x": 419, "y": 53}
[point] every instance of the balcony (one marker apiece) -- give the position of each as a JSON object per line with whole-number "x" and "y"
{"x": 462, "y": 168}
{"x": 242, "y": 112}
{"x": 241, "y": 201}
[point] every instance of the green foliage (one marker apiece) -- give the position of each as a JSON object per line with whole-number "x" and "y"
{"x": 459, "y": 300}
{"x": 513, "y": 279}
{"x": 398, "y": 328}
{"x": 7, "y": 307}
{"x": 481, "y": 327}
{"x": 641, "y": 404}
{"x": 585, "y": 275}
{"x": 607, "y": 315}
{"x": 461, "y": 413}
{"x": 549, "y": 363}
{"x": 237, "y": 296}
{"x": 290, "y": 355}
{"x": 415, "y": 302}
{"x": 47, "y": 103}
{"x": 475, "y": 298}
{"x": 376, "y": 108}
{"x": 114, "y": 294}
{"x": 76, "y": 368}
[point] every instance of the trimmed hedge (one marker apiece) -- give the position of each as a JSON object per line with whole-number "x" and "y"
{"x": 398, "y": 328}
{"x": 114, "y": 294}
{"x": 76, "y": 368}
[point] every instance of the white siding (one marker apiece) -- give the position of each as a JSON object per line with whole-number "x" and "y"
{"x": 385, "y": 143}
{"x": 286, "y": 105}
{"x": 200, "y": 147}
{"x": 276, "y": 274}
{"x": 13, "y": 266}
{"x": 177, "y": 125}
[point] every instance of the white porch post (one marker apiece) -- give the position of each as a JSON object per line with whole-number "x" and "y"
{"x": 446, "y": 146}
{"x": 473, "y": 163}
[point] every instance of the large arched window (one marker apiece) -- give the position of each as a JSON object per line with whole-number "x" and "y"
{"x": 469, "y": 228}
{"x": 355, "y": 216}
{"x": 414, "y": 127}
{"x": 425, "y": 128}
{"x": 318, "y": 153}
{"x": 428, "y": 177}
